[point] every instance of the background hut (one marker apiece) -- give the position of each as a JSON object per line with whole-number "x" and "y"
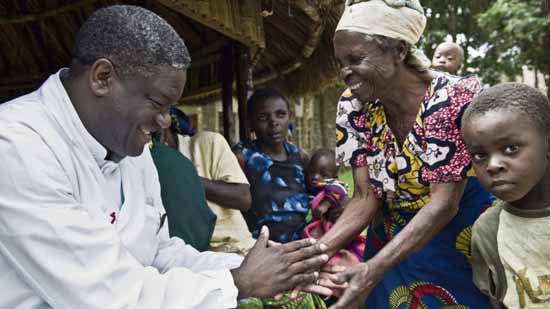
{"x": 234, "y": 44}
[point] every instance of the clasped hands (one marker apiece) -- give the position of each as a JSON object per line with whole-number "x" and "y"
{"x": 270, "y": 269}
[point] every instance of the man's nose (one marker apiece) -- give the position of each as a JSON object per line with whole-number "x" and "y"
{"x": 163, "y": 120}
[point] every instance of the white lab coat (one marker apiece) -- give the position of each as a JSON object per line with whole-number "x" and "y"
{"x": 65, "y": 240}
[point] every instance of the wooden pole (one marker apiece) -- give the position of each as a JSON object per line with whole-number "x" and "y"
{"x": 227, "y": 74}
{"x": 245, "y": 87}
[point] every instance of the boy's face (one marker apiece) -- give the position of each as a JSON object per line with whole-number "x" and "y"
{"x": 509, "y": 153}
{"x": 447, "y": 58}
{"x": 319, "y": 169}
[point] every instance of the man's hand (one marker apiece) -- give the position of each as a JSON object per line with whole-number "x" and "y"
{"x": 267, "y": 271}
{"x": 362, "y": 278}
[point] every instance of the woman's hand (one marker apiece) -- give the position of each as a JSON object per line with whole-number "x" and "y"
{"x": 325, "y": 284}
{"x": 361, "y": 279}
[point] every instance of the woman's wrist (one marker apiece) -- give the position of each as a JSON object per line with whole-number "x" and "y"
{"x": 378, "y": 267}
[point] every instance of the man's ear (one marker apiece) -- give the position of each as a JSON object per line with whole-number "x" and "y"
{"x": 102, "y": 76}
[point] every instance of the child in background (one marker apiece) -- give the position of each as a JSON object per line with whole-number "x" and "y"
{"x": 507, "y": 131}
{"x": 329, "y": 195}
{"x": 274, "y": 169}
{"x": 448, "y": 58}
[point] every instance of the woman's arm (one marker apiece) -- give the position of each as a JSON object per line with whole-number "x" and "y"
{"x": 429, "y": 221}
{"x": 357, "y": 214}
{"x": 228, "y": 195}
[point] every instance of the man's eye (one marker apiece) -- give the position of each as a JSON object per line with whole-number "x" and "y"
{"x": 355, "y": 60}
{"x": 155, "y": 104}
{"x": 511, "y": 149}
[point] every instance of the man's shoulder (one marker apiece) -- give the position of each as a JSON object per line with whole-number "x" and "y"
{"x": 24, "y": 110}
{"x": 25, "y": 119}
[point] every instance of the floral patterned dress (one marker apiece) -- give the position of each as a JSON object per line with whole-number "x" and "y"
{"x": 439, "y": 275}
{"x": 279, "y": 197}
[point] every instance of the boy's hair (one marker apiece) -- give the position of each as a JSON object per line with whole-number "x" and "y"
{"x": 326, "y": 153}
{"x": 512, "y": 96}
{"x": 136, "y": 39}
{"x": 261, "y": 95}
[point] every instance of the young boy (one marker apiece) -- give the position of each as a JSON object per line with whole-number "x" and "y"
{"x": 448, "y": 58}
{"x": 507, "y": 131}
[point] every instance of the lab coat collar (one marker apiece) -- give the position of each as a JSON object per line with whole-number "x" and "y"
{"x": 62, "y": 109}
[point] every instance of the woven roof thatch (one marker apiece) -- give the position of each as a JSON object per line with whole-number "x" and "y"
{"x": 290, "y": 46}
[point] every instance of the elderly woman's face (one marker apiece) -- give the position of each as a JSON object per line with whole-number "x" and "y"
{"x": 365, "y": 68}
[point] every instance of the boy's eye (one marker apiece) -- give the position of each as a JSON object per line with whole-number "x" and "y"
{"x": 511, "y": 149}
{"x": 478, "y": 157}
{"x": 262, "y": 117}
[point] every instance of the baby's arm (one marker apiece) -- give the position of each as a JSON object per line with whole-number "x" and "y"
{"x": 321, "y": 209}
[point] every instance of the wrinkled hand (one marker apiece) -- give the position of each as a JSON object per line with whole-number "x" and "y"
{"x": 267, "y": 271}
{"x": 361, "y": 278}
{"x": 326, "y": 284}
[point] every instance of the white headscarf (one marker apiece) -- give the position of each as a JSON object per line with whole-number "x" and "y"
{"x": 397, "y": 19}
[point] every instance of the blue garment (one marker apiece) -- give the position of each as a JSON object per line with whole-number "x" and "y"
{"x": 279, "y": 197}
{"x": 440, "y": 274}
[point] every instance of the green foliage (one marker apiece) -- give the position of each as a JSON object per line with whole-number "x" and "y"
{"x": 498, "y": 36}
{"x": 518, "y": 31}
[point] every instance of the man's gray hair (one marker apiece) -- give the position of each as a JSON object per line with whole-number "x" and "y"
{"x": 135, "y": 39}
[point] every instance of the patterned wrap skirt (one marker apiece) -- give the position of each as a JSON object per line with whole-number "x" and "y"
{"x": 440, "y": 274}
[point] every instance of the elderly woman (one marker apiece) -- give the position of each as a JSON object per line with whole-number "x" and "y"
{"x": 398, "y": 126}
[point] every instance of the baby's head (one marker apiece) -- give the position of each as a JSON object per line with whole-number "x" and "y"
{"x": 448, "y": 57}
{"x": 322, "y": 165}
{"x": 506, "y": 129}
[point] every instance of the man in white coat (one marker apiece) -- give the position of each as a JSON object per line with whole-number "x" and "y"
{"x": 81, "y": 219}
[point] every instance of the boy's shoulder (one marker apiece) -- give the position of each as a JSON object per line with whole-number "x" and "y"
{"x": 487, "y": 224}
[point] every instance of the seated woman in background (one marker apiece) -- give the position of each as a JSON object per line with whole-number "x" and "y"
{"x": 274, "y": 169}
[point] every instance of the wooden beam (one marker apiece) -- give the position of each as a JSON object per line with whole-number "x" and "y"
{"x": 24, "y": 79}
{"x": 245, "y": 87}
{"x": 227, "y": 91}
{"x": 213, "y": 24}
{"x": 212, "y": 48}
{"x": 205, "y": 60}
{"x": 7, "y": 20}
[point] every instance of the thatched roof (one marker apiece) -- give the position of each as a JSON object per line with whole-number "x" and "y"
{"x": 289, "y": 40}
